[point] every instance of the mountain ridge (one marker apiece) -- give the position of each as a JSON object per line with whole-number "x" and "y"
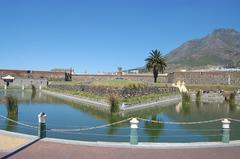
{"x": 219, "y": 48}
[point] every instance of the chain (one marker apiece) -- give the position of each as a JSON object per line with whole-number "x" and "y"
{"x": 237, "y": 120}
{"x": 20, "y": 123}
{"x": 181, "y": 123}
{"x": 91, "y": 128}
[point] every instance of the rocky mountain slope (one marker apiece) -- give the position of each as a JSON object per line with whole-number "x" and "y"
{"x": 219, "y": 48}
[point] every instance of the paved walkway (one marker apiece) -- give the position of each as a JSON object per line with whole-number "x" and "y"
{"x": 53, "y": 150}
{"x": 2, "y": 154}
{"x": 10, "y": 141}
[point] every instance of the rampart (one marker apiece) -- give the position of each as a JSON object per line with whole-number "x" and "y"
{"x": 213, "y": 77}
{"x": 217, "y": 77}
{"x": 33, "y": 74}
{"x": 26, "y": 82}
{"x": 125, "y": 92}
{"x": 138, "y": 77}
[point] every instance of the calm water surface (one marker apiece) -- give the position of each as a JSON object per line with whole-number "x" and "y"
{"x": 62, "y": 114}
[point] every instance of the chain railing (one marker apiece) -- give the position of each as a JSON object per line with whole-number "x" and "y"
{"x": 77, "y": 130}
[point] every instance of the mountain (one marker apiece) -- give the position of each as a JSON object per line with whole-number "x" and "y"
{"x": 219, "y": 48}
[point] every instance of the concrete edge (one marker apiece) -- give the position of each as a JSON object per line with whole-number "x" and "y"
{"x": 145, "y": 145}
{"x": 173, "y": 99}
{"x": 15, "y": 134}
{"x": 77, "y": 99}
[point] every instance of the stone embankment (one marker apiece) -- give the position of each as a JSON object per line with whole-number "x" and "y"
{"x": 160, "y": 101}
{"x": 103, "y": 105}
{"x": 127, "y": 92}
{"x": 214, "y": 97}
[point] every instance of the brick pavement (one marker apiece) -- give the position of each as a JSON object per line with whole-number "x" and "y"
{"x": 53, "y": 150}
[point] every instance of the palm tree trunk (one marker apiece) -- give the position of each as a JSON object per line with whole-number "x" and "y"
{"x": 155, "y": 74}
{"x": 155, "y": 79}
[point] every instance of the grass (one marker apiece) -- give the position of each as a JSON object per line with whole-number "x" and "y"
{"x": 148, "y": 97}
{"x": 115, "y": 84}
{"x": 161, "y": 84}
{"x": 71, "y": 83}
{"x": 119, "y": 83}
{"x": 138, "y": 99}
{"x": 79, "y": 93}
{"x": 213, "y": 87}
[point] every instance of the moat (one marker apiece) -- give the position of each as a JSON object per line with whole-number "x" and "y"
{"x": 65, "y": 115}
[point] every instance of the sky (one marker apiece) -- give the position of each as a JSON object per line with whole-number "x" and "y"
{"x": 101, "y": 35}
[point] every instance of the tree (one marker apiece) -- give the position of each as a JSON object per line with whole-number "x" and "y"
{"x": 156, "y": 63}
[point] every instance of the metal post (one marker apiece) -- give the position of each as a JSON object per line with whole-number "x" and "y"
{"x": 42, "y": 125}
{"x": 226, "y": 130}
{"x": 134, "y": 135}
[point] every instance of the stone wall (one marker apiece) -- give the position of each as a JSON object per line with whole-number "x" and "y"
{"x": 138, "y": 77}
{"x": 122, "y": 92}
{"x": 27, "y": 82}
{"x": 219, "y": 77}
{"x": 33, "y": 74}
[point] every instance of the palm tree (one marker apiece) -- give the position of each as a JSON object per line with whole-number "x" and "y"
{"x": 156, "y": 63}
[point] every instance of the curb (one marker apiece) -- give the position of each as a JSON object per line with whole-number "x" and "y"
{"x": 146, "y": 145}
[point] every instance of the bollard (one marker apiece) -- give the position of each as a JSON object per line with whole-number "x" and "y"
{"x": 42, "y": 125}
{"x": 134, "y": 135}
{"x": 5, "y": 86}
{"x": 40, "y": 87}
{"x": 22, "y": 87}
{"x": 226, "y": 131}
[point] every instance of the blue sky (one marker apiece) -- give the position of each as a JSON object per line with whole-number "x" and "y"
{"x": 100, "y": 35}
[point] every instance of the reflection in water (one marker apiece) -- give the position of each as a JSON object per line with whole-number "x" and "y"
{"x": 178, "y": 107}
{"x": 198, "y": 99}
{"x": 113, "y": 128}
{"x": 198, "y": 103}
{"x": 153, "y": 130}
{"x": 186, "y": 104}
{"x": 33, "y": 92}
{"x": 232, "y": 104}
{"x": 80, "y": 114}
{"x": 12, "y": 112}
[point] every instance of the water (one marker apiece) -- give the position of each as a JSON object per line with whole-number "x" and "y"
{"x": 69, "y": 115}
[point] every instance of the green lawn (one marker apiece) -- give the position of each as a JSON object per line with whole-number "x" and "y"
{"x": 196, "y": 87}
{"x": 119, "y": 83}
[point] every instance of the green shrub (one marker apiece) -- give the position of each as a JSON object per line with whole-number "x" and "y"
{"x": 198, "y": 96}
{"x": 186, "y": 97}
{"x": 114, "y": 104}
{"x": 232, "y": 97}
